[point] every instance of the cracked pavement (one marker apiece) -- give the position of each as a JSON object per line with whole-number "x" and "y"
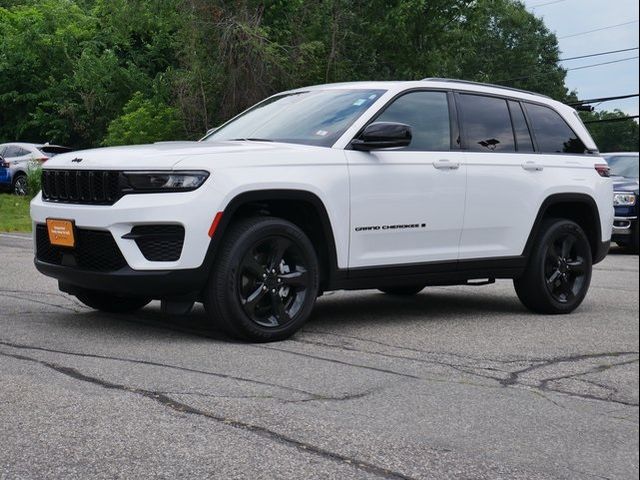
{"x": 458, "y": 382}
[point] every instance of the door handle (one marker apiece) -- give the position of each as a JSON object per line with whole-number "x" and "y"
{"x": 445, "y": 164}
{"x": 532, "y": 166}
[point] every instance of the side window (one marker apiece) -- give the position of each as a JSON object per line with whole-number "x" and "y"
{"x": 428, "y": 115}
{"x": 520, "y": 128}
{"x": 486, "y": 124}
{"x": 11, "y": 152}
{"x": 553, "y": 135}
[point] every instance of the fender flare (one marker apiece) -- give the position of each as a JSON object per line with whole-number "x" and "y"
{"x": 559, "y": 198}
{"x": 256, "y": 196}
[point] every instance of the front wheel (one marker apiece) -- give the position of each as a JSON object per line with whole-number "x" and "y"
{"x": 20, "y": 187}
{"x": 558, "y": 275}
{"x": 107, "y": 302}
{"x": 264, "y": 282}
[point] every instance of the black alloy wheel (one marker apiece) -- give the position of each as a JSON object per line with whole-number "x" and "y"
{"x": 264, "y": 281}
{"x": 273, "y": 283}
{"x": 566, "y": 267}
{"x": 558, "y": 272}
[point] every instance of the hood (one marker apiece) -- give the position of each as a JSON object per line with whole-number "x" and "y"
{"x": 165, "y": 155}
{"x": 623, "y": 184}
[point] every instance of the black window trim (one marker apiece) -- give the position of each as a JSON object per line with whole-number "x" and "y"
{"x": 454, "y": 124}
{"x": 534, "y": 143}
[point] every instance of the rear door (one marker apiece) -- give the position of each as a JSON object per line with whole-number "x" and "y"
{"x": 407, "y": 204}
{"x": 507, "y": 179}
{"x": 503, "y": 178}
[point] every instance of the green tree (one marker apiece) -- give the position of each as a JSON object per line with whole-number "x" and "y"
{"x": 612, "y": 136}
{"x": 144, "y": 121}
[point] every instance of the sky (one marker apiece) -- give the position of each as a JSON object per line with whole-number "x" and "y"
{"x": 566, "y": 18}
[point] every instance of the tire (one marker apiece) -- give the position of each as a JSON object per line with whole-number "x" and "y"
{"x": 634, "y": 246}
{"x": 19, "y": 185}
{"x": 264, "y": 281}
{"x": 106, "y": 302}
{"x": 558, "y": 274}
{"x": 407, "y": 290}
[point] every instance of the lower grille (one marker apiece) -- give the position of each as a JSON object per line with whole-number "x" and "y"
{"x": 159, "y": 243}
{"x": 95, "y": 250}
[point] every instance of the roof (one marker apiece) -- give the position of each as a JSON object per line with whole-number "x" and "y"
{"x": 443, "y": 83}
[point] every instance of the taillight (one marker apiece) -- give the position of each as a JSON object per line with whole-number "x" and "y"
{"x": 4, "y": 165}
{"x": 603, "y": 169}
{"x": 41, "y": 159}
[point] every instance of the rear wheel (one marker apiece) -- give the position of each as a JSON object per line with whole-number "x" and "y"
{"x": 19, "y": 186}
{"x": 265, "y": 280}
{"x": 107, "y": 302}
{"x": 406, "y": 290}
{"x": 558, "y": 275}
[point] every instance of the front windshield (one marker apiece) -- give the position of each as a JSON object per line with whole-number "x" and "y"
{"x": 315, "y": 117}
{"x": 624, "y": 166}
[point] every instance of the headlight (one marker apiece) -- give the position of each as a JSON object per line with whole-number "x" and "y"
{"x": 156, "y": 182}
{"x": 624, "y": 199}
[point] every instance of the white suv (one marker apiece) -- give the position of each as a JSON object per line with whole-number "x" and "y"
{"x": 388, "y": 185}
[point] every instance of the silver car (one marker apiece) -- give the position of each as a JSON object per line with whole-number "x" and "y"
{"x": 17, "y": 158}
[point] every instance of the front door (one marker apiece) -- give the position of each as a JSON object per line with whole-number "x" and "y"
{"x": 407, "y": 205}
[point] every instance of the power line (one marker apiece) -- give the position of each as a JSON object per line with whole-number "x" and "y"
{"x": 603, "y": 63}
{"x": 546, "y": 3}
{"x": 603, "y": 99}
{"x": 598, "y": 54}
{"x": 598, "y": 29}
{"x": 567, "y": 69}
{"x": 617, "y": 119}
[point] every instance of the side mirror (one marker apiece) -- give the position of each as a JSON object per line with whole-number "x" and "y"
{"x": 383, "y": 135}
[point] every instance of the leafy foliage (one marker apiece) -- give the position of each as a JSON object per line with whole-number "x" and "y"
{"x": 143, "y": 121}
{"x": 616, "y": 136}
{"x": 91, "y": 72}
{"x": 34, "y": 180}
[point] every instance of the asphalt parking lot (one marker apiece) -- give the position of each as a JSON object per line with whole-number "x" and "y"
{"x": 458, "y": 382}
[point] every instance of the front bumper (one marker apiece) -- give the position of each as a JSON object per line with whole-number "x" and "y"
{"x": 194, "y": 211}
{"x": 623, "y": 227}
{"x": 159, "y": 284}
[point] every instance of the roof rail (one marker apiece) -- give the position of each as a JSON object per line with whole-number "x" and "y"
{"x": 470, "y": 82}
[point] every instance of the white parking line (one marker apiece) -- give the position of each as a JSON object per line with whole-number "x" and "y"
{"x": 20, "y": 237}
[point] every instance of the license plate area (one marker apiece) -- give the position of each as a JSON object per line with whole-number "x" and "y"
{"x": 61, "y": 232}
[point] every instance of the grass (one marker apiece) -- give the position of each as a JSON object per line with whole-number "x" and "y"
{"x": 14, "y": 213}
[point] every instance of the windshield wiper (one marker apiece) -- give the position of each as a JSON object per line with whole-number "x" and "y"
{"x": 250, "y": 139}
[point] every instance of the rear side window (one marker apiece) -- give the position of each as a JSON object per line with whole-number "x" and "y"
{"x": 487, "y": 124}
{"x": 520, "y": 128}
{"x": 427, "y": 113}
{"x": 552, "y": 133}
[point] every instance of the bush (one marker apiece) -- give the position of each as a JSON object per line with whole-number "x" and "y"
{"x": 34, "y": 179}
{"x": 143, "y": 121}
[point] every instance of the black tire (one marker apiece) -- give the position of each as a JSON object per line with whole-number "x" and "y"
{"x": 19, "y": 185}
{"x": 264, "y": 281}
{"x": 558, "y": 274}
{"x": 107, "y": 302}
{"x": 406, "y": 290}
{"x": 634, "y": 246}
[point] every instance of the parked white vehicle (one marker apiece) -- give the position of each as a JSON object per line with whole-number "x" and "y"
{"x": 388, "y": 185}
{"x": 17, "y": 158}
